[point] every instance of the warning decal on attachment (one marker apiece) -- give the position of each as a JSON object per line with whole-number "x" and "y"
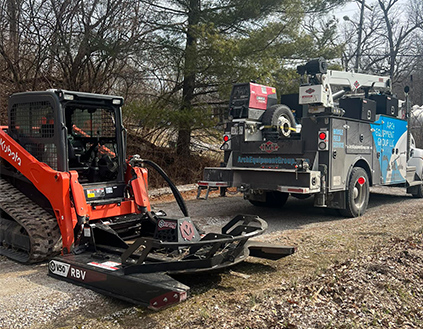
{"x": 112, "y": 266}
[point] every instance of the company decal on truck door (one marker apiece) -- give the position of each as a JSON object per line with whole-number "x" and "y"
{"x": 390, "y": 138}
{"x": 338, "y": 139}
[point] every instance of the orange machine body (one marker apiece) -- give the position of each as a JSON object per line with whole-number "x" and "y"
{"x": 65, "y": 193}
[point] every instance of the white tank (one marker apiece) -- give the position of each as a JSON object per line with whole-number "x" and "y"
{"x": 416, "y": 117}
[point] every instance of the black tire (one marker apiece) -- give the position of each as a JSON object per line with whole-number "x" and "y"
{"x": 418, "y": 192}
{"x": 277, "y": 113}
{"x": 300, "y": 196}
{"x": 274, "y": 199}
{"x": 257, "y": 203}
{"x": 357, "y": 193}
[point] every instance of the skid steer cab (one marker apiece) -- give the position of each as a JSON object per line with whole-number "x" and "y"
{"x": 68, "y": 187}
{"x": 338, "y": 136}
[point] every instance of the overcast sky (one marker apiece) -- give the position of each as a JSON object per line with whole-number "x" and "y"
{"x": 351, "y": 9}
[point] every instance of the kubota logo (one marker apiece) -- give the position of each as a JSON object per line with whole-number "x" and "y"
{"x": 8, "y": 151}
{"x": 269, "y": 147}
{"x": 310, "y": 91}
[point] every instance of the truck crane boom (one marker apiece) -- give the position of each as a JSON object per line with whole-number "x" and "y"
{"x": 317, "y": 87}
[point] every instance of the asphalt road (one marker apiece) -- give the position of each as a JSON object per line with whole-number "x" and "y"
{"x": 214, "y": 213}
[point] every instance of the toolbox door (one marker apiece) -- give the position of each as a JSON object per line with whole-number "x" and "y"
{"x": 337, "y": 158}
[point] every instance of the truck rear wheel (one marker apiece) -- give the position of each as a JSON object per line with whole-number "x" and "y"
{"x": 357, "y": 193}
{"x": 273, "y": 199}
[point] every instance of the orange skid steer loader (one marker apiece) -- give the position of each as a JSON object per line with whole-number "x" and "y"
{"x": 70, "y": 195}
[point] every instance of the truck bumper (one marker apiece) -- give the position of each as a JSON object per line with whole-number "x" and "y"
{"x": 283, "y": 180}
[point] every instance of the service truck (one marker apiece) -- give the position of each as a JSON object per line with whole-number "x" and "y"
{"x": 337, "y": 137}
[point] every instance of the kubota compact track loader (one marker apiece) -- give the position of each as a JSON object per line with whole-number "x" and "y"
{"x": 66, "y": 187}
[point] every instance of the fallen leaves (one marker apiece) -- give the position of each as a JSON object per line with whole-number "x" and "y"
{"x": 383, "y": 289}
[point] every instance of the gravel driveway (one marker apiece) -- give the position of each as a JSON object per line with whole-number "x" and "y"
{"x": 31, "y": 299}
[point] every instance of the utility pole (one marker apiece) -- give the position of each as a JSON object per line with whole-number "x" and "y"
{"x": 408, "y": 115}
{"x": 360, "y": 31}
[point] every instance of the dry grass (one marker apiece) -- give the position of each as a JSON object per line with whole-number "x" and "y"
{"x": 312, "y": 289}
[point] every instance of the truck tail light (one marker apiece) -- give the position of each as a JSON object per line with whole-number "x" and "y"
{"x": 323, "y": 140}
{"x": 226, "y": 142}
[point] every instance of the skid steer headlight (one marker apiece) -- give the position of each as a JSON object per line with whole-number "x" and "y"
{"x": 68, "y": 97}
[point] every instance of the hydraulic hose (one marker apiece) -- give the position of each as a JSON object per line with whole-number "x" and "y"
{"x": 175, "y": 191}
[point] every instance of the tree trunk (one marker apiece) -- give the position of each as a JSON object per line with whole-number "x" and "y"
{"x": 190, "y": 70}
{"x": 13, "y": 9}
{"x": 390, "y": 36}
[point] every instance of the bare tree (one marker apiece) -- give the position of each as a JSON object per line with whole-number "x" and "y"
{"x": 388, "y": 46}
{"x": 21, "y": 32}
{"x": 97, "y": 43}
{"x": 80, "y": 45}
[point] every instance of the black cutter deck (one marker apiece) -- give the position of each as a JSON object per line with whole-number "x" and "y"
{"x": 154, "y": 290}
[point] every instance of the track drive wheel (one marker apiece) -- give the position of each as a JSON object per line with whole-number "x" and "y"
{"x": 28, "y": 233}
{"x": 274, "y": 199}
{"x": 357, "y": 193}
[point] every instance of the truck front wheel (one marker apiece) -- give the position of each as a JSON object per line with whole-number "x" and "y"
{"x": 418, "y": 192}
{"x": 357, "y": 193}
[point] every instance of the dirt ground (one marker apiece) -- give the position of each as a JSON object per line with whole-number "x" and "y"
{"x": 364, "y": 272}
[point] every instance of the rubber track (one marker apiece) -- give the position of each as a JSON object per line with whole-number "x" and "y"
{"x": 42, "y": 227}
